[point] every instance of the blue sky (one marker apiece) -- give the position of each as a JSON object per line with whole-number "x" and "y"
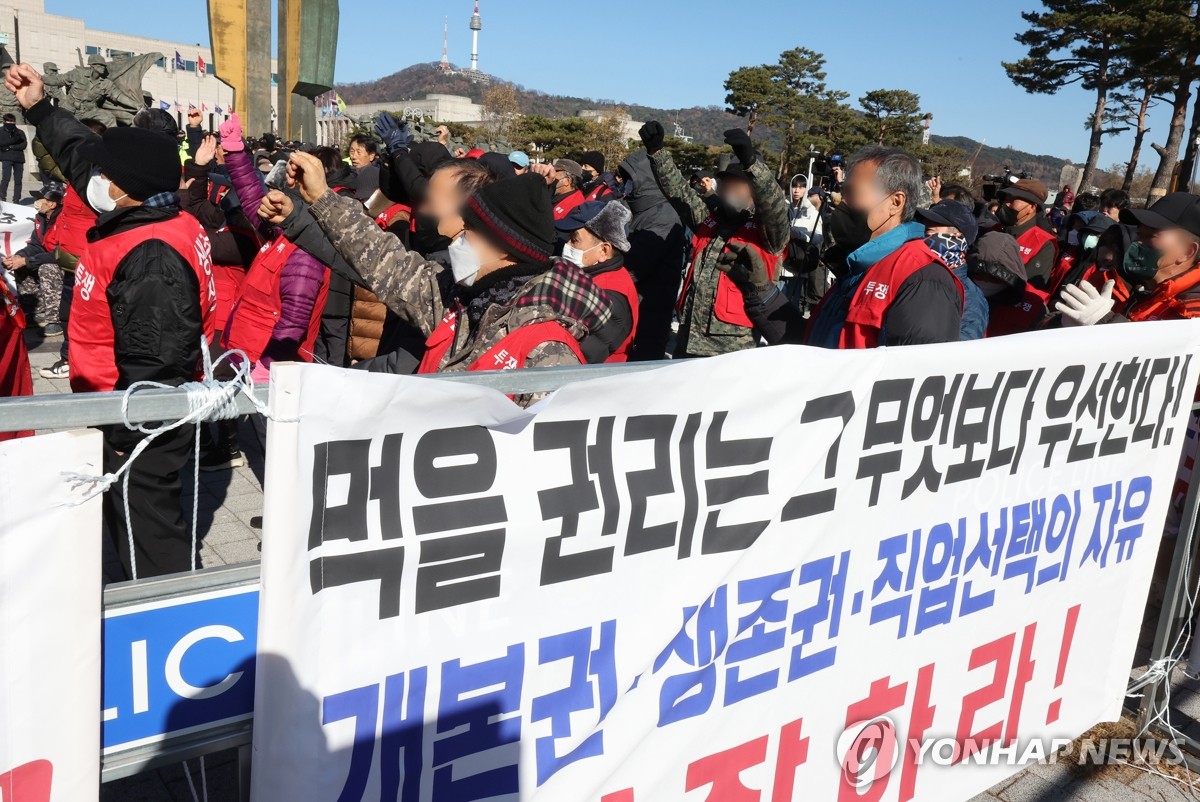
{"x": 677, "y": 53}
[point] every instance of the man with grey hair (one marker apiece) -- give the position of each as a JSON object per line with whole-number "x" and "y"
{"x": 897, "y": 288}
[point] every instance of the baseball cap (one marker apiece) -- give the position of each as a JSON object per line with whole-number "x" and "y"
{"x": 951, "y": 213}
{"x": 1174, "y": 210}
{"x": 520, "y": 158}
{"x": 51, "y": 192}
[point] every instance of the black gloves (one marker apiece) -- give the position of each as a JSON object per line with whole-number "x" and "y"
{"x": 743, "y": 148}
{"x": 393, "y": 132}
{"x": 745, "y": 267}
{"x": 652, "y": 135}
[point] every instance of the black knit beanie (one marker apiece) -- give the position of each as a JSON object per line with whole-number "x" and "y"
{"x": 139, "y": 161}
{"x": 593, "y": 159}
{"x": 515, "y": 216}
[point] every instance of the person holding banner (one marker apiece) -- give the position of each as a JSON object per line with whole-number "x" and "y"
{"x": 144, "y": 294}
{"x": 502, "y": 304}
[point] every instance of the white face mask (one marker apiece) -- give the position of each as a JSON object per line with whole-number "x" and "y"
{"x": 98, "y": 194}
{"x": 464, "y": 262}
{"x": 574, "y": 255}
{"x": 1091, "y": 241}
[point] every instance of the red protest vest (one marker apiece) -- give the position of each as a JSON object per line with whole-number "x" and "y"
{"x": 601, "y": 191}
{"x": 15, "y": 377}
{"x": 384, "y": 219}
{"x": 729, "y": 306}
{"x": 564, "y": 207}
{"x": 878, "y": 288}
{"x": 1031, "y": 243}
{"x": 92, "y": 357}
{"x": 257, "y": 311}
{"x": 1163, "y": 303}
{"x": 73, "y": 223}
{"x": 1019, "y": 317}
{"x": 508, "y": 354}
{"x": 621, "y": 282}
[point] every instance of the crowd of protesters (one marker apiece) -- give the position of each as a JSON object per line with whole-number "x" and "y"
{"x": 405, "y": 257}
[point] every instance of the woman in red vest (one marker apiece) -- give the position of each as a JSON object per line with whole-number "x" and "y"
{"x": 598, "y": 244}
{"x": 278, "y": 313}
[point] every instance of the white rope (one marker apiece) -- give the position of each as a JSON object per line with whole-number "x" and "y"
{"x": 203, "y": 781}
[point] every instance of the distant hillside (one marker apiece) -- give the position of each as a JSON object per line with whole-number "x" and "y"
{"x": 706, "y": 124}
{"x": 993, "y": 160}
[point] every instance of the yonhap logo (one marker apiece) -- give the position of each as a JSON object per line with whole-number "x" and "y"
{"x": 868, "y": 751}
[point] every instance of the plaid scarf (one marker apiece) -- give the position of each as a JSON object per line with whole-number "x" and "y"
{"x": 565, "y": 289}
{"x": 163, "y": 200}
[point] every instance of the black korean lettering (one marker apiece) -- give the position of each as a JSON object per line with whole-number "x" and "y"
{"x": 383, "y": 565}
{"x": 887, "y": 418}
{"x": 932, "y": 402}
{"x": 459, "y": 570}
{"x": 1059, "y": 403}
{"x": 568, "y": 502}
{"x": 691, "y": 488}
{"x": 721, "y": 453}
{"x": 827, "y": 407}
{"x": 1011, "y": 455}
{"x": 1144, "y": 431}
{"x": 452, "y": 464}
{"x": 1119, "y": 401}
{"x": 972, "y": 426}
{"x": 385, "y": 487}
{"x": 347, "y": 520}
{"x": 655, "y": 481}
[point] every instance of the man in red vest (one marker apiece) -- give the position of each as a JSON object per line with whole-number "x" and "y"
{"x": 1019, "y": 211}
{"x": 144, "y": 293}
{"x": 598, "y": 243}
{"x": 565, "y": 186}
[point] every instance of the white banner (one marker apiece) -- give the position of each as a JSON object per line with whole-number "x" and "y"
{"x": 16, "y": 227}
{"x": 50, "y": 602}
{"x": 782, "y": 574}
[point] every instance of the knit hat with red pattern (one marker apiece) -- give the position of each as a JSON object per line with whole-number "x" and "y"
{"x": 515, "y": 216}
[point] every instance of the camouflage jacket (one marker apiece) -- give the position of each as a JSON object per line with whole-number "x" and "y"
{"x": 420, "y": 291}
{"x": 700, "y": 332}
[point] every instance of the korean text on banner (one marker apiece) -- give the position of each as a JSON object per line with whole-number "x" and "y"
{"x": 780, "y": 574}
{"x": 49, "y": 620}
{"x": 16, "y": 227}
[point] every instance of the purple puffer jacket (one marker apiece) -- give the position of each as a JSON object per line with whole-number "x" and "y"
{"x": 300, "y": 281}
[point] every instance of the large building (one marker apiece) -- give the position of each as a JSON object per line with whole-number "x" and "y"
{"x": 443, "y": 108}
{"x": 27, "y": 32}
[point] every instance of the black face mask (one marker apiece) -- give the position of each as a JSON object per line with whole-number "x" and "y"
{"x": 849, "y": 228}
{"x": 1006, "y": 215}
{"x": 425, "y": 238}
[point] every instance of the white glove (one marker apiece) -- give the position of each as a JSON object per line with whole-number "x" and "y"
{"x": 1082, "y": 305}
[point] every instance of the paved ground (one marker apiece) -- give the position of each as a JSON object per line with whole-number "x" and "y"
{"x": 230, "y": 526}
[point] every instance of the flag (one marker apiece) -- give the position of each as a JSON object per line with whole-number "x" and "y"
{"x": 164, "y": 105}
{"x": 177, "y": 106}
{"x": 341, "y": 104}
{"x": 178, "y": 61}
{"x": 200, "y": 65}
{"x": 203, "y": 107}
{"x": 218, "y": 110}
{"x": 191, "y": 107}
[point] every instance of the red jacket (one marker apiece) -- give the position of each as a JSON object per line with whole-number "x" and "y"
{"x": 508, "y": 354}
{"x": 728, "y": 305}
{"x": 878, "y": 288}
{"x": 92, "y": 355}
{"x": 260, "y": 305}
{"x": 1031, "y": 244}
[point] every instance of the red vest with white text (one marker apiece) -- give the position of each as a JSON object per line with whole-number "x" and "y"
{"x": 621, "y": 282}
{"x": 1031, "y": 244}
{"x": 92, "y": 355}
{"x": 564, "y": 206}
{"x": 508, "y": 354}
{"x": 878, "y": 289}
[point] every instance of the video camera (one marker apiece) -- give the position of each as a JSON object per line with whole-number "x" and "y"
{"x": 992, "y": 184}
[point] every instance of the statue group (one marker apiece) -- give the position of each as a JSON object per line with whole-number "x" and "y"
{"x": 107, "y": 91}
